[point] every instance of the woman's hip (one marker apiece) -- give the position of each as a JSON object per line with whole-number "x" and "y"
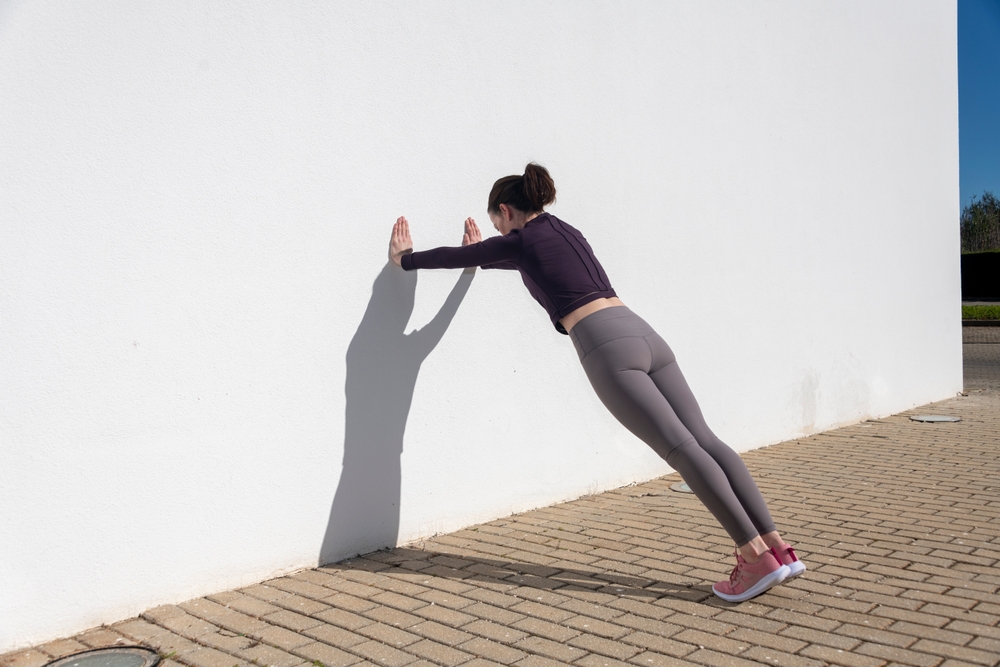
{"x": 618, "y": 338}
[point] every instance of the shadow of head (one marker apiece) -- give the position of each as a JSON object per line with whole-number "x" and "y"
{"x": 382, "y": 366}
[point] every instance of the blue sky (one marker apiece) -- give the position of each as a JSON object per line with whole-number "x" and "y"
{"x": 979, "y": 97}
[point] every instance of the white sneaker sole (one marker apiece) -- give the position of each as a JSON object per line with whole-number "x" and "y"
{"x": 795, "y": 568}
{"x": 764, "y": 584}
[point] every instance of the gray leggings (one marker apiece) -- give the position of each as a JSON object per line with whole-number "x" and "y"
{"x": 636, "y": 376}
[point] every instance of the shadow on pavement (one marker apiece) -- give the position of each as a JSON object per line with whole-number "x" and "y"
{"x": 382, "y": 367}
{"x": 494, "y": 572}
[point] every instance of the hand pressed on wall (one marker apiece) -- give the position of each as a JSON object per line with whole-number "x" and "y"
{"x": 472, "y": 233}
{"x": 400, "y": 243}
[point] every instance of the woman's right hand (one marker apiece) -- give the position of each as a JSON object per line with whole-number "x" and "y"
{"x": 400, "y": 243}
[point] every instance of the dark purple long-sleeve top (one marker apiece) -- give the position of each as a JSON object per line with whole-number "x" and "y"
{"x": 556, "y": 264}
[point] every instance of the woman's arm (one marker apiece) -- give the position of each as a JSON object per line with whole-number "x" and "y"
{"x": 473, "y": 252}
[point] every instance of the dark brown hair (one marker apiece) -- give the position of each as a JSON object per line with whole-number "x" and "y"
{"x": 529, "y": 193}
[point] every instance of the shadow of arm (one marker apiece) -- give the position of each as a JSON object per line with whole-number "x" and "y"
{"x": 427, "y": 338}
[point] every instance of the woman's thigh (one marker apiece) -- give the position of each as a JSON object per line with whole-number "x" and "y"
{"x": 618, "y": 372}
{"x": 670, "y": 382}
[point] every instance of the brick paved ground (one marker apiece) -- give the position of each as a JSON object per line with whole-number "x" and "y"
{"x": 898, "y": 521}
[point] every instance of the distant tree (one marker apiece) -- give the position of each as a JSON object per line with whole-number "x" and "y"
{"x": 981, "y": 224}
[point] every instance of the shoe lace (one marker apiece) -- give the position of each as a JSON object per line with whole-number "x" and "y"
{"x": 734, "y": 575}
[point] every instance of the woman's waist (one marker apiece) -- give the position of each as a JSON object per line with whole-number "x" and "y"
{"x": 606, "y": 324}
{"x": 585, "y": 305}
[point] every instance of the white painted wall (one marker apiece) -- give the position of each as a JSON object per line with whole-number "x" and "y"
{"x": 195, "y": 202}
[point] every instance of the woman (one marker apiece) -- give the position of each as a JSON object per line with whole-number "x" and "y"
{"x": 630, "y": 367}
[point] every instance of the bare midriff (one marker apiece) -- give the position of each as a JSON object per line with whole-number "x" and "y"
{"x": 570, "y": 320}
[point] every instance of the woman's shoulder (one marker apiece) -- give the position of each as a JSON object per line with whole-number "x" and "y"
{"x": 548, "y": 224}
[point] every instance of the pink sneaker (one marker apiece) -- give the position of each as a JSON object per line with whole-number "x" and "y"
{"x": 786, "y": 556}
{"x": 749, "y": 580}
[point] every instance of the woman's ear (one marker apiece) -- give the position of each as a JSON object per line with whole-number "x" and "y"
{"x": 505, "y": 212}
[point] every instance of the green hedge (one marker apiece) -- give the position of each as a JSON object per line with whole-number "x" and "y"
{"x": 981, "y": 312}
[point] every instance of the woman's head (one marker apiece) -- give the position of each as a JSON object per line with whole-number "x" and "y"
{"x": 516, "y": 197}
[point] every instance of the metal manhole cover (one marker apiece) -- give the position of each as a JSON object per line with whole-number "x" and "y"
{"x": 681, "y": 487}
{"x": 118, "y": 656}
{"x": 935, "y": 418}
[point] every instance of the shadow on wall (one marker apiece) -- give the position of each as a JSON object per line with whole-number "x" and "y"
{"x": 382, "y": 367}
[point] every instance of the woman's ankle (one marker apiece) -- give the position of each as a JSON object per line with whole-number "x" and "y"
{"x": 753, "y": 550}
{"x": 772, "y": 540}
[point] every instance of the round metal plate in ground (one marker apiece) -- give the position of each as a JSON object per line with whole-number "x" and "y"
{"x": 682, "y": 487}
{"x": 935, "y": 418}
{"x": 118, "y": 656}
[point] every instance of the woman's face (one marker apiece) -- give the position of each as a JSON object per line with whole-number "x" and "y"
{"x": 504, "y": 220}
{"x": 499, "y": 223}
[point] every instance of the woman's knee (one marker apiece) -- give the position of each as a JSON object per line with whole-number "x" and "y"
{"x": 678, "y": 453}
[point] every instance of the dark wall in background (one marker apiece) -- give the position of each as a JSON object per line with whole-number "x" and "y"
{"x": 981, "y": 275}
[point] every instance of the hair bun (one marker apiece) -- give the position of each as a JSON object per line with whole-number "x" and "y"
{"x": 539, "y": 188}
{"x": 529, "y": 193}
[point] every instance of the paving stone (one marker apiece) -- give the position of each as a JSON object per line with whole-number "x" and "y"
{"x": 918, "y": 631}
{"x": 966, "y": 654}
{"x": 974, "y": 629}
{"x": 335, "y": 636}
{"x": 28, "y": 658}
{"x": 343, "y": 619}
{"x": 716, "y": 659}
{"x": 393, "y": 617}
{"x": 138, "y": 629}
{"x": 594, "y": 660}
{"x": 224, "y": 640}
{"x": 898, "y": 655}
{"x": 283, "y": 638}
{"x": 210, "y": 657}
{"x": 156, "y": 614}
{"x": 265, "y": 593}
{"x": 543, "y": 611}
{"x": 328, "y": 656}
{"x": 188, "y": 626}
{"x": 875, "y": 635}
{"x": 538, "y": 661}
{"x": 291, "y": 620}
{"x": 771, "y": 656}
{"x": 837, "y": 656}
{"x": 380, "y": 654}
{"x": 492, "y": 613}
{"x": 251, "y": 606}
{"x": 302, "y": 588}
{"x": 239, "y": 623}
{"x": 594, "y": 626}
{"x": 101, "y": 638}
{"x": 651, "y": 659}
{"x": 748, "y": 637}
{"x": 444, "y": 615}
{"x": 498, "y": 633}
{"x": 604, "y": 647}
{"x": 168, "y": 644}
{"x": 540, "y": 628}
{"x": 550, "y": 649}
{"x": 659, "y": 644}
{"x": 268, "y": 656}
{"x": 63, "y": 647}
{"x": 388, "y": 635}
{"x": 491, "y": 650}
{"x": 441, "y": 654}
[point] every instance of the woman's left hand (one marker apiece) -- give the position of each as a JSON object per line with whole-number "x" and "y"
{"x": 400, "y": 243}
{"x": 472, "y": 233}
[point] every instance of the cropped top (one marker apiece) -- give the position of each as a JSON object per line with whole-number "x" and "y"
{"x": 556, "y": 264}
